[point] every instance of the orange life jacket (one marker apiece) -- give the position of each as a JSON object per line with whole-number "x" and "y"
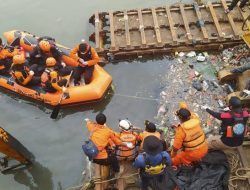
{"x": 195, "y": 137}
{"x": 125, "y": 153}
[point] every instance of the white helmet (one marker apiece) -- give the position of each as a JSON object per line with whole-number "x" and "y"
{"x": 125, "y": 124}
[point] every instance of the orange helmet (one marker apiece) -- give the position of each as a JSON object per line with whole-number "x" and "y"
{"x": 50, "y": 62}
{"x": 44, "y": 45}
{"x": 53, "y": 74}
{"x": 18, "y": 59}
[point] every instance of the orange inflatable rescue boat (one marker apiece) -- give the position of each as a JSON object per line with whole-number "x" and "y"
{"x": 94, "y": 91}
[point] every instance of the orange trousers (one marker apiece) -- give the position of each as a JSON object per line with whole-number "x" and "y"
{"x": 187, "y": 157}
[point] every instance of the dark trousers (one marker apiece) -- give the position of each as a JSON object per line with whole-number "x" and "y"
{"x": 86, "y": 71}
{"x": 35, "y": 81}
{"x": 111, "y": 161}
{"x": 234, "y": 3}
{"x": 49, "y": 87}
{"x": 7, "y": 64}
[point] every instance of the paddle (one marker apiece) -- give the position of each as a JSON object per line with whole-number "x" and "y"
{"x": 57, "y": 108}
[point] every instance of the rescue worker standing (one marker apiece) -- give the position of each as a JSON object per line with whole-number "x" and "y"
{"x": 87, "y": 58}
{"x": 152, "y": 164}
{"x": 22, "y": 73}
{"x": 51, "y": 80}
{"x": 129, "y": 137}
{"x": 233, "y": 126}
{"x": 189, "y": 137}
{"x": 104, "y": 138}
{"x": 5, "y": 58}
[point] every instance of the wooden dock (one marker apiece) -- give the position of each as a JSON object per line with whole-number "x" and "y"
{"x": 166, "y": 29}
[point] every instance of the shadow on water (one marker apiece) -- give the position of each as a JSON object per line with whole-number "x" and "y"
{"x": 35, "y": 177}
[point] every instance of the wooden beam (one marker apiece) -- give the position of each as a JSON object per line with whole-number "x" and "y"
{"x": 97, "y": 31}
{"x": 141, "y": 28}
{"x": 201, "y": 21}
{"x": 112, "y": 30}
{"x": 244, "y": 17}
{"x": 243, "y": 159}
{"x": 128, "y": 42}
{"x": 186, "y": 23}
{"x": 230, "y": 19}
{"x": 215, "y": 19}
{"x": 171, "y": 25}
{"x": 156, "y": 26}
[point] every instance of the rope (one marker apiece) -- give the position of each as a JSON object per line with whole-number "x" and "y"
{"x": 135, "y": 97}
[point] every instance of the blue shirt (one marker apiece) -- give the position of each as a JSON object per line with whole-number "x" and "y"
{"x": 154, "y": 160}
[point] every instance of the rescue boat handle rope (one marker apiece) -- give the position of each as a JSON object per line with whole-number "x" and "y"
{"x": 99, "y": 181}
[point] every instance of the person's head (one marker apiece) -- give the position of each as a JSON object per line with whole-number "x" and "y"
{"x": 150, "y": 127}
{"x": 235, "y": 104}
{"x": 44, "y": 45}
{"x": 50, "y": 62}
{"x": 152, "y": 145}
{"x": 100, "y": 119}
{"x": 125, "y": 125}
{"x": 183, "y": 114}
{"x": 18, "y": 59}
{"x": 83, "y": 48}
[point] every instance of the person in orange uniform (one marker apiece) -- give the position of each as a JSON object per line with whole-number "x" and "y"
{"x": 51, "y": 80}
{"x": 22, "y": 73}
{"x": 103, "y": 137}
{"x": 190, "y": 142}
{"x": 5, "y": 58}
{"x": 129, "y": 137}
{"x": 150, "y": 130}
{"x": 87, "y": 58}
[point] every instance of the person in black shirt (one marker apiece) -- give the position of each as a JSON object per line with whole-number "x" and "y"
{"x": 233, "y": 126}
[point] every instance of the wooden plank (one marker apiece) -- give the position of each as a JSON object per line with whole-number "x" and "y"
{"x": 112, "y": 30}
{"x": 97, "y": 31}
{"x": 201, "y": 21}
{"x": 171, "y": 25}
{"x": 215, "y": 19}
{"x": 243, "y": 159}
{"x": 186, "y": 23}
{"x": 230, "y": 19}
{"x": 244, "y": 17}
{"x": 156, "y": 26}
{"x": 128, "y": 42}
{"x": 141, "y": 28}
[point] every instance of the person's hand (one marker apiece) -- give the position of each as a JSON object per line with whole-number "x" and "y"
{"x": 64, "y": 89}
{"x": 205, "y": 107}
{"x": 87, "y": 119}
{"x": 81, "y": 60}
{"x": 129, "y": 145}
{"x": 226, "y": 109}
{"x": 31, "y": 73}
{"x": 38, "y": 55}
{"x": 63, "y": 64}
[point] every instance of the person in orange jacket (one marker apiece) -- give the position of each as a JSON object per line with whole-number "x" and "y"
{"x": 23, "y": 73}
{"x": 87, "y": 58}
{"x": 190, "y": 143}
{"x": 129, "y": 137}
{"x": 104, "y": 138}
{"x": 5, "y": 58}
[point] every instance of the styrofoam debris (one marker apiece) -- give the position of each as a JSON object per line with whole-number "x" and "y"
{"x": 191, "y": 54}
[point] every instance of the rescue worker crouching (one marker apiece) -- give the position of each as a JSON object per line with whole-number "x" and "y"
{"x": 87, "y": 58}
{"x": 189, "y": 137}
{"x": 129, "y": 137}
{"x": 6, "y": 58}
{"x": 233, "y": 126}
{"x": 23, "y": 74}
{"x": 104, "y": 139}
{"x": 152, "y": 165}
{"x": 51, "y": 80}
{"x": 44, "y": 49}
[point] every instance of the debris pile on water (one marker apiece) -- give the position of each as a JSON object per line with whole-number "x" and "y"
{"x": 193, "y": 78}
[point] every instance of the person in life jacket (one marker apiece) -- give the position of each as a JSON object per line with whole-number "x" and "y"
{"x": 22, "y": 73}
{"x": 45, "y": 48}
{"x": 153, "y": 165}
{"x": 150, "y": 130}
{"x": 87, "y": 58}
{"x": 129, "y": 137}
{"x": 6, "y": 56}
{"x": 233, "y": 126}
{"x": 51, "y": 79}
{"x": 190, "y": 143}
{"x": 104, "y": 139}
